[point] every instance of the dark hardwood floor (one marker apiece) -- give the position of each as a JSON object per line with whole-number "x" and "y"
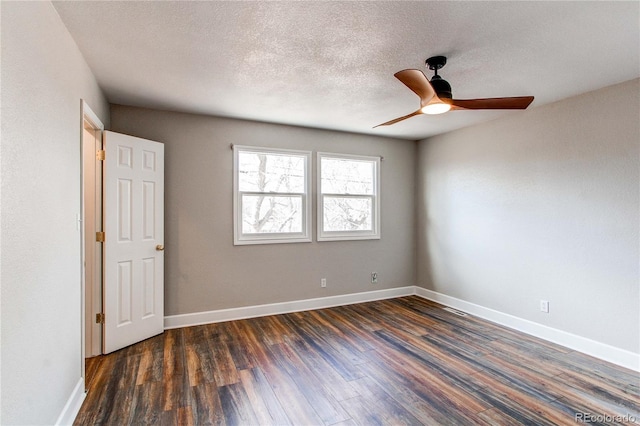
{"x": 398, "y": 361}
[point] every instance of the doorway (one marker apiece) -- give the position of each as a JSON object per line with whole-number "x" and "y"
{"x": 122, "y": 272}
{"x": 92, "y": 222}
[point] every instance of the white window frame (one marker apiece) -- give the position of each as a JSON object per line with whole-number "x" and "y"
{"x": 373, "y": 234}
{"x": 240, "y": 238}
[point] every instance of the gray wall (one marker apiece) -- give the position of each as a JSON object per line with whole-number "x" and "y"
{"x": 542, "y": 204}
{"x": 205, "y": 271}
{"x": 43, "y": 79}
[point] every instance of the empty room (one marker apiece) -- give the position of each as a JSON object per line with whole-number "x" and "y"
{"x": 319, "y": 213}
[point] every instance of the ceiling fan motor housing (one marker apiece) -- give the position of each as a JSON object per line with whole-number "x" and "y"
{"x": 442, "y": 87}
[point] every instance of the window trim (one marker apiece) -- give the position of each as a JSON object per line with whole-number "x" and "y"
{"x": 240, "y": 238}
{"x": 323, "y": 235}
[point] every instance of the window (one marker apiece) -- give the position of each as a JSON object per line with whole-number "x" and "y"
{"x": 348, "y": 197}
{"x": 271, "y": 195}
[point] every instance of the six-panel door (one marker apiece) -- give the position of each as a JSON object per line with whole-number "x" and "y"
{"x": 134, "y": 240}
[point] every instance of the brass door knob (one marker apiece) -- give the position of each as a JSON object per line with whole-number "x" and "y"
{"x": 160, "y": 247}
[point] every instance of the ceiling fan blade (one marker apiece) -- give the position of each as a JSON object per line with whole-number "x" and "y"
{"x": 394, "y": 121}
{"x": 418, "y": 83}
{"x": 521, "y": 102}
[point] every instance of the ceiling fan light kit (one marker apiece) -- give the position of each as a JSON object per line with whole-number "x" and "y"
{"x": 435, "y": 108}
{"x": 436, "y": 96}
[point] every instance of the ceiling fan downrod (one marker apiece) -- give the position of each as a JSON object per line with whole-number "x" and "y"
{"x": 441, "y": 86}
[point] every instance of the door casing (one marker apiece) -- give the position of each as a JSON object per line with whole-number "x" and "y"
{"x": 91, "y": 204}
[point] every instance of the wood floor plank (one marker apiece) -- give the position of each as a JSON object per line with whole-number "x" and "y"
{"x": 574, "y": 408}
{"x": 148, "y": 407}
{"x": 239, "y": 349}
{"x": 403, "y": 361}
{"x": 605, "y": 371}
{"x": 434, "y": 354}
{"x": 570, "y": 387}
{"x": 206, "y": 408}
{"x": 264, "y": 402}
{"x": 199, "y": 359}
{"x": 240, "y": 354}
{"x": 362, "y": 314}
{"x": 170, "y": 418}
{"x": 428, "y": 364}
{"x": 236, "y": 406}
{"x": 389, "y": 313}
{"x": 91, "y": 368}
{"x": 317, "y": 340}
{"x": 143, "y": 368}
{"x": 224, "y": 369}
{"x": 257, "y": 403}
{"x": 496, "y": 417}
{"x": 325, "y": 374}
{"x": 394, "y": 413}
{"x": 620, "y": 394}
{"x": 184, "y": 416}
{"x": 417, "y": 404}
{"x": 607, "y": 398}
{"x": 362, "y": 412}
{"x": 98, "y": 398}
{"x": 348, "y": 422}
{"x": 449, "y": 395}
{"x": 584, "y": 365}
{"x": 123, "y": 400}
{"x": 264, "y": 328}
{"x": 504, "y": 351}
{"x": 350, "y": 328}
{"x": 326, "y": 407}
{"x": 175, "y": 380}
{"x": 296, "y": 407}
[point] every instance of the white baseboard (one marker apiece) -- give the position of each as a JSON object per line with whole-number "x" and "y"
{"x": 199, "y": 318}
{"x": 72, "y": 407}
{"x": 599, "y": 350}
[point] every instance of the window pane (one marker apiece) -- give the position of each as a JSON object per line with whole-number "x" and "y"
{"x": 347, "y": 214}
{"x": 271, "y": 214}
{"x": 344, "y": 176}
{"x": 258, "y": 172}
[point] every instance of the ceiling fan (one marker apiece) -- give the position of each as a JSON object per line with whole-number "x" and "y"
{"x": 436, "y": 98}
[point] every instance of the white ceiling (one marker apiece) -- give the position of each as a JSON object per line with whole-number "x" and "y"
{"x": 330, "y": 64}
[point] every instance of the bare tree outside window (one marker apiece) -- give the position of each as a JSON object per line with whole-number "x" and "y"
{"x": 348, "y": 190}
{"x": 272, "y": 191}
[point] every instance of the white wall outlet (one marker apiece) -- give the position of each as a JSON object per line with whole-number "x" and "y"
{"x": 544, "y": 306}
{"x": 323, "y": 282}
{"x": 374, "y": 277}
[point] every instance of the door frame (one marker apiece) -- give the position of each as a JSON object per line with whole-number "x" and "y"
{"x": 87, "y": 116}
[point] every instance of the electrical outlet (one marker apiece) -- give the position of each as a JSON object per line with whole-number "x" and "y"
{"x": 323, "y": 282}
{"x": 544, "y": 306}
{"x": 374, "y": 277}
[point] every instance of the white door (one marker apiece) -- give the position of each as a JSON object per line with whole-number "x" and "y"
{"x": 134, "y": 240}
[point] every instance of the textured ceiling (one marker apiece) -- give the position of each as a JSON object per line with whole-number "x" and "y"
{"x": 330, "y": 64}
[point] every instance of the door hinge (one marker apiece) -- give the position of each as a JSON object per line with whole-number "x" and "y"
{"x": 100, "y": 318}
{"x": 100, "y": 155}
{"x": 100, "y": 237}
